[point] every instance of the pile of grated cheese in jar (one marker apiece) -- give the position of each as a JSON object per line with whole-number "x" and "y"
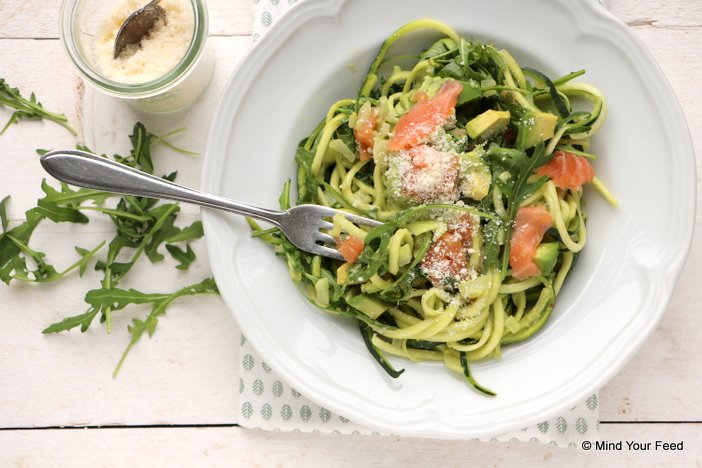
{"x": 156, "y": 54}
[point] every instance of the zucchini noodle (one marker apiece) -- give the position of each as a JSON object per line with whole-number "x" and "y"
{"x": 475, "y": 165}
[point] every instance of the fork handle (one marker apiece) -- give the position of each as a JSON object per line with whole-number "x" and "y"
{"x": 96, "y": 172}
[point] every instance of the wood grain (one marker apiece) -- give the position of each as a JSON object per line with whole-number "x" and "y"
{"x": 39, "y": 19}
{"x": 680, "y": 14}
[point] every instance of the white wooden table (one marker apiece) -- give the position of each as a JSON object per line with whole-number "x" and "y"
{"x": 175, "y": 401}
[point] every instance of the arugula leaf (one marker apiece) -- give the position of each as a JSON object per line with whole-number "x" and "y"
{"x": 306, "y": 182}
{"x": 27, "y": 108}
{"x": 141, "y": 148}
{"x": 185, "y": 257}
{"x": 163, "y": 139}
{"x": 438, "y": 49}
{"x": 12, "y": 262}
{"x": 3, "y": 212}
{"x": 192, "y": 232}
{"x": 59, "y": 214}
{"x": 116, "y": 299}
{"x": 452, "y": 70}
{"x": 68, "y": 323}
{"x": 163, "y": 229}
{"x": 516, "y": 188}
{"x": 68, "y": 197}
{"x": 159, "y": 304}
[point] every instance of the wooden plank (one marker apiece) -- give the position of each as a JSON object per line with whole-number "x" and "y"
{"x": 675, "y": 51}
{"x": 161, "y": 380}
{"x": 681, "y": 14}
{"x": 241, "y": 447}
{"x": 40, "y": 19}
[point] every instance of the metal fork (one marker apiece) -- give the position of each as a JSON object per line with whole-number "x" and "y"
{"x": 302, "y": 224}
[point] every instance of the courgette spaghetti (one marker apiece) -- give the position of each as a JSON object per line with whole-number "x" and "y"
{"x": 475, "y": 165}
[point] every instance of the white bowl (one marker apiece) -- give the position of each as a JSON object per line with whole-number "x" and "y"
{"x": 613, "y": 299}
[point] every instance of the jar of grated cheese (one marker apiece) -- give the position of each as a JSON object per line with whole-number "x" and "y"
{"x": 165, "y": 72}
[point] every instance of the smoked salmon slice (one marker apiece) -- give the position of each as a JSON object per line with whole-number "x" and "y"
{"x": 530, "y": 225}
{"x": 447, "y": 258}
{"x": 350, "y": 248}
{"x": 567, "y": 170}
{"x": 415, "y": 126}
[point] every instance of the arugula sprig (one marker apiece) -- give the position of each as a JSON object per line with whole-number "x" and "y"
{"x": 142, "y": 227}
{"x": 18, "y": 261}
{"x": 521, "y": 184}
{"x": 27, "y": 108}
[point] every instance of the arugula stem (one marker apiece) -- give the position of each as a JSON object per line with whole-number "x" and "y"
{"x": 160, "y": 303}
{"x": 79, "y": 196}
{"x": 152, "y": 231}
{"x": 108, "y": 283}
{"x": 132, "y": 342}
{"x": 156, "y": 311}
{"x": 168, "y": 144}
{"x": 118, "y": 213}
{"x": 27, "y": 108}
{"x": 133, "y": 203}
{"x": 82, "y": 261}
{"x": 108, "y": 320}
{"x": 171, "y": 133}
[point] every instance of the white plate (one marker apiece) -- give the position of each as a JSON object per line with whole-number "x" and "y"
{"x": 615, "y": 296}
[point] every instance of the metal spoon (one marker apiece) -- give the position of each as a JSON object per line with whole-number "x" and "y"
{"x": 137, "y": 25}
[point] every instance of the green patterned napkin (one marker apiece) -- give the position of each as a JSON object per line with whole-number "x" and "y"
{"x": 266, "y": 402}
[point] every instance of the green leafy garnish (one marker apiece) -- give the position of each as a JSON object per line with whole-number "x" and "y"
{"x": 27, "y": 108}
{"x": 159, "y": 304}
{"x": 3, "y": 212}
{"x": 518, "y": 187}
{"x": 142, "y": 227}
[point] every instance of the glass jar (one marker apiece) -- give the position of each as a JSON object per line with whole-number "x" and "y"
{"x": 86, "y": 27}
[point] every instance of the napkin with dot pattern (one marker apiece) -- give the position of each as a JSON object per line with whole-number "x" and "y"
{"x": 267, "y": 402}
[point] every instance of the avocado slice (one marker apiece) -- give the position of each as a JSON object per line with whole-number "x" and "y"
{"x": 474, "y": 175}
{"x": 487, "y": 124}
{"x": 546, "y": 256}
{"x": 368, "y": 305}
{"x": 535, "y": 127}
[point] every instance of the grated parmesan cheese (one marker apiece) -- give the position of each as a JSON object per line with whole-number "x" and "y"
{"x": 443, "y": 265}
{"x": 157, "y": 53}
{"x": 424, "y": 175}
